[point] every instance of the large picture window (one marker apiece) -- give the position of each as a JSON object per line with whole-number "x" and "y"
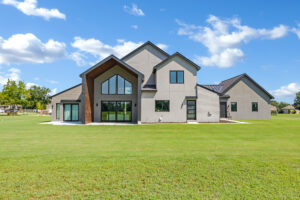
{"x": 116, "y": 111}
{"x": 233, "y": 106}
{"x": 176, "y": 76}
{"x": 162, "y": 106}
{"x": 71, "y": 112}
{"x": 254, "y": 106}
{"x": 116, "y": 85}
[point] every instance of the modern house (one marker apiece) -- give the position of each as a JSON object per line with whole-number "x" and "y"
{"x": 150, "y": 86}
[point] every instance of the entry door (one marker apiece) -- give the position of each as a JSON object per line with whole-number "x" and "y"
{"x": 116, "y": 111}
{"x": 191, "y": 110}
{"x": 223, "y": 109}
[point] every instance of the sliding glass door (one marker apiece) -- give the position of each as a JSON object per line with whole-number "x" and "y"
{"x": 71, "y": 112}
{"x": 116, "y": 111}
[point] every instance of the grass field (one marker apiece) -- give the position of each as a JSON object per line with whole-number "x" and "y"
{"x": 260, "y": 160}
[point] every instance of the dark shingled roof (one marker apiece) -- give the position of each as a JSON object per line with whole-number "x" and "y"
{"x": 216, "y": 88}
{"x": 225, "y": 85}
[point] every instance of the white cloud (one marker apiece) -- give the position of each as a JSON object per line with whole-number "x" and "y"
{"x": 27, "y": 48}
{"x": 29, "y": 85}
{"x": 29, "y": 7}
{"x": 52, "y": 82}
{"x": 287, "y": 91}
{"x": 134, "y": 10}
{"x": 100, "y": 50}
{"x": 13, "y": 74}
{"x": 224, "y": 37}
{"x": 53, "y": 92}
{"x": 297, "y": 31}
{"x": 135, "y": 27}
{"x": 162, "y": 46}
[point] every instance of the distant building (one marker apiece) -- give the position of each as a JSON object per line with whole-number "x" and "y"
{"x": 288, "y": 109}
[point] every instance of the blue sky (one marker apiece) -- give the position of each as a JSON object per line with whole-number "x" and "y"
{"x": 49, "y": 43}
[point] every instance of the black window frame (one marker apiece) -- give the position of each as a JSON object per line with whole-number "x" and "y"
{"x": 116, "y": 88}
{"x": 187, "y": 110}
{"x": 231, "y": 106}
{"x": 116, "y": 112}
{"x": 176, "y": 82}
{"x": 253, "y": 110}
{"x": 155, "y": 108}
{"x": 71, "y": 120}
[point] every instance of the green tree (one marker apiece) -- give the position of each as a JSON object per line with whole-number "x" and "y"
{"x": 281, "y": 105}
{"x": 297, "y": 101}
{"x": 39, "y": 106}
{"x": 10, "y": 93}
{"x": 38, "y": 94}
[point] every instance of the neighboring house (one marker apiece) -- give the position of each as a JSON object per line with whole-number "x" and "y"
{"x": 288, "y": 109}
{"x": 150, "y": 86}
{"x": 274, "y": 109}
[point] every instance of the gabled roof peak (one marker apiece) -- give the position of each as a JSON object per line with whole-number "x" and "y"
{"x": 180, "y": 55}
{"x": 142, "y": 46}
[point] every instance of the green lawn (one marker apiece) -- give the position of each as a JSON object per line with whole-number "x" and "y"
{"x": 260, "y": 160}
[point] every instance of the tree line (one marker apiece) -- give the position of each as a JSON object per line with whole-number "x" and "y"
{"x": 15, "y": 93}
{"x": 280, "y": 105}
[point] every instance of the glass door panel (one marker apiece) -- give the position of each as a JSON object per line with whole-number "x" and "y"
{"x": 111, "y": 111}
{"x": 75, "y": 112}
{"x": 191, "y": 110}
{"x": 120, "y": 111}
{"x": 67, "y": 112}
{"x": 127, "y": 111}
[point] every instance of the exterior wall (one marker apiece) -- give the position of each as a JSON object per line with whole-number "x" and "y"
{"x": 208, "y": 106}
{"x": 144, "y": 60}
{"x": 244, "y": 93}
{"x": 175, "y": 93}
{"x": 72, "y": 94}
{"x": 98, "y": 97}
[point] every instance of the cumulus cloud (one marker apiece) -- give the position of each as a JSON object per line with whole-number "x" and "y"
{"x": 133, "y": 10}
{"x": 297, "y": 31}
{"x": 224, "y": 37}
{"x": 287, "y": 91}
{"x": 12, "y": 74}
{"x": 53, "y": 92}
{"x": 29, "y": 7}
{"x": 29, "y": 85}
{"x": 162, "y": 46}
{"x": 100, "y": 50}
{"x": 27, "y": 48}
{"x": 135, "y": 27}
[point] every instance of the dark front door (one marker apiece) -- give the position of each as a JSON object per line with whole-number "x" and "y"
{"x": 116, "y": 111}
{"x": 223, "y": 109}
{"x": 191, "y": 110}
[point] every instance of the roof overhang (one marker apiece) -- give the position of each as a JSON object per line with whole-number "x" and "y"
{"x": 106, "y": 64}
{"x": 174, "y": 55}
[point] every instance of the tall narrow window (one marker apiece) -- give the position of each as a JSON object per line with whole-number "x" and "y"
{"x": 105, "y": 87}
{"x": 120, "y": 85}
{"x": 254, "y": 107}
{"x": 176, "y": 76}
{"x": 58, "y": 111}
{"x": 128, "y": 87}
{"x": 233, "y": 106}
{"x": 116, "y": 85}
{"x": 112, "y": 85}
